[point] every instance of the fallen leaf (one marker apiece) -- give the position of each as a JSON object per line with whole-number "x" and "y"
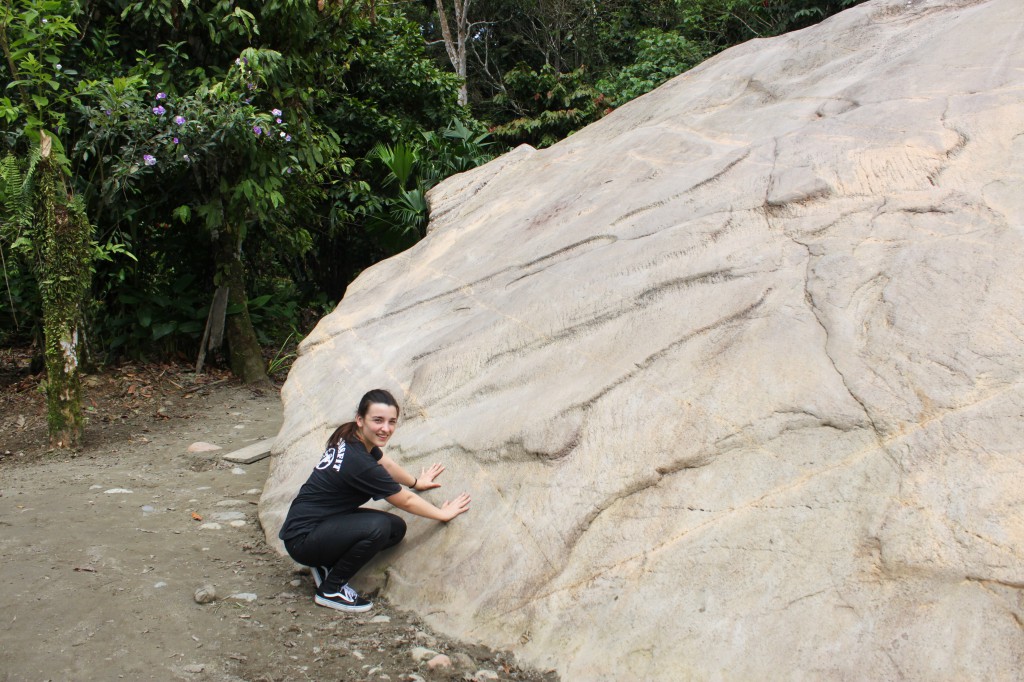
{"x": 197, "y": 517}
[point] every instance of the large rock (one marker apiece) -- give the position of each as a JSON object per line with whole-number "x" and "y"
{"x": 733, "y": 375}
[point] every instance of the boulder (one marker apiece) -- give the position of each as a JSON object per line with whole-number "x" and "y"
{"x": 733, "y": 375}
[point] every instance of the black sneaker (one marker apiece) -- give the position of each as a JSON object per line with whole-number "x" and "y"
{"x": 319, "y": 574}
{"x": 345, "y": 599}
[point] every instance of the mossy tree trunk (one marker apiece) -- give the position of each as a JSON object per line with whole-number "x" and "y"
{"x": 63, "y": 237}
{"x": 244, "y": 352}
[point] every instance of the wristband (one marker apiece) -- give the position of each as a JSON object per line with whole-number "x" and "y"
{"x": 414, "y": 482}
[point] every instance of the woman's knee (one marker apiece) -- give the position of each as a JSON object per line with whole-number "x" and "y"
{"x": 398, "y": 529}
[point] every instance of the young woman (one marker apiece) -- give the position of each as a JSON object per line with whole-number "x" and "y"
{"x": 328, "y": 530}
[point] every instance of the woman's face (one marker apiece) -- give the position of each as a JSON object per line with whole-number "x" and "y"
{"x": 377, "y": 426}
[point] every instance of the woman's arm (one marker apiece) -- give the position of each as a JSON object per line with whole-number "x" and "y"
{"x": 406, "y": 500}
{"x": 425, "y": 481}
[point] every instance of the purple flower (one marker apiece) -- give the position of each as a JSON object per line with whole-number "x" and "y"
{"x": 149, "y": 159}
{"x": 287, "y": 138}
{"x": 161, "y": 95}
{"x": 174, "y": 140}
{"x": 250, "y": 85}
{"x": 257, "y": 130}
{"x": 185, "y": 156}
{"x": 278, "y": 120}
{"x": 180, "y": 120}
{"x": 159, "y": 111}
{"x": 108, "y": 112}
{"x": 276, "y": 112}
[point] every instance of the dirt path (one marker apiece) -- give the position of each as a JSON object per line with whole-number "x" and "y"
{"x": 101, "y": 553}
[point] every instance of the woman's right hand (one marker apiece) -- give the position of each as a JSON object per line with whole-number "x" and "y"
{"x": 453, "y": 508}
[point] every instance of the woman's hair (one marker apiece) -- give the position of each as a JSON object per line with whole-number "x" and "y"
{"x": 347, "y": 430}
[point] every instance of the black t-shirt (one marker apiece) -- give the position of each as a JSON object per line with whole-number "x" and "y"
{"x": 345, "y": 479}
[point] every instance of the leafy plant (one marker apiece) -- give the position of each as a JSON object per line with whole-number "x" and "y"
{"x": 546, "y": 105}
{"x": 660, "y": 55}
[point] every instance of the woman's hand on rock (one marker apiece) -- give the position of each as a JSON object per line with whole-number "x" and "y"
{"x": 453, "y": 508}
{"x": 425, "y": 481}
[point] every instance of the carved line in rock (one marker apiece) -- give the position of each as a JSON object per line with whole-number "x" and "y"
{"x": 468, "y": 286}
{"x": 813, "y": 308}
{"x": 799, "y": 482}
{"x": 603, "y": 238}
{"x": 952, "y": 152}
{"x": 702, "y": 183}
{"x": 642, "y": 300}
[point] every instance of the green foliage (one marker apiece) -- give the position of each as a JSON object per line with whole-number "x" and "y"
{"x": 723, "y": 23}
{"x": 34, "y": 36}
{"x": 161, "y": 316}
{"x": 546, "y": 105}
{"x": 399, "y": 217}
{"x": 660, "y": 55}
{"x": 21, "y": 294}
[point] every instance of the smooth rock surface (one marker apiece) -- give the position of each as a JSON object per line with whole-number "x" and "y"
{"x": 734, "y": 376}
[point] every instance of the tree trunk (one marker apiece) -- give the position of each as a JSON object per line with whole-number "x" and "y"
{"x": 64, "y": 279}
{"x": 455, "y": 45}
{"x": 244, "y": 352}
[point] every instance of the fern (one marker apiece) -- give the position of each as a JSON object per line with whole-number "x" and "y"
{"x": 15, "y": 219}
{"x": 15, "y": 196}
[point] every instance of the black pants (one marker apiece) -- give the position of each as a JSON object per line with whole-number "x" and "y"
{"x": 344, "y": 543}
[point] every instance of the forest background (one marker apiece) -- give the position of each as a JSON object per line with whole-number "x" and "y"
{"x": 202, "y": 179}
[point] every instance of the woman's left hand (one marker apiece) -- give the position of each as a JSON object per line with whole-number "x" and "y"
{"x": 425, "y": 481}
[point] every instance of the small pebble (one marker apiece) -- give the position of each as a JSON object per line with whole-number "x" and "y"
{"x": 147, "y": 508}
{"x": 252, "y": 491}
{"x": 203, "y": 447}
{"x": 194, "y": 668}
{"x": 439, "y": 661}
{"x": 238, "y": 470}
{"x": 210, "y": 526}
{"x": 232, "y": 503}
{"x": 484, "y": 674}
{"x": 228, "y": 516}
{"x": 237, "y": 524}
{"x": 242, "y": 596}
{"x": 205, "y": 594}
{"x": 95, "y": 487}
{"x": 118, "y": 491}
{"x": 463, "y": 661}
{"x": 380, "y": 619}
{"x": 295, "y": 583}
{"x": 422, "y": 653}
{"x": 160, "y": 584}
